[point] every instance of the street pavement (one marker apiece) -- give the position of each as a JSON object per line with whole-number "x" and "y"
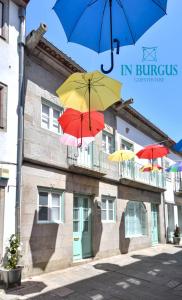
{"x": 151, "y": 274}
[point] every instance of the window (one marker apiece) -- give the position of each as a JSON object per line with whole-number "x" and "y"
{"x": 166, "y": 165}
{"x": 49, "y": 117}
{"x": 108, "y": 211}
{"x": 125, "y": 145}
{"x": 135, "y": 219}
{"x": 107, "y": 142}
{"x": 4, "y": 19}
{"x": 1, "y": 17}
{"x": 50, "y": 206}
{"x": 3, "y": 106}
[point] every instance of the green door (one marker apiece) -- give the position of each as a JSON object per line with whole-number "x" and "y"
{"x": 154, "y": 224}
{"x": 82, "y": 247}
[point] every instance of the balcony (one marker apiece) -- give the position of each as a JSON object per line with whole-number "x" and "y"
{"x": 178, "y": 186}
{"x": 92, "y": 161}
{"x": 87, "y": 161}
{"x": 131, "y": 175}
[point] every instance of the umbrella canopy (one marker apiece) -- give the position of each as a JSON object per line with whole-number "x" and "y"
{"x": 107, "y": 24}
{"x": 89, "y": 91}
{"x": 75, "y": 123}
{"x": 150, "y": 168}
{"x": 70, "y": 140}
{"x": 178, "y": 146}
{"x": 177, "y": 167}
{"x": 121, "y": 155}
{"x": 153, "y": 151}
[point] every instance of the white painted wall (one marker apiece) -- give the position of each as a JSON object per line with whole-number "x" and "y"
{"x": 9, "y": 66}
{"x": 140, "y": 140}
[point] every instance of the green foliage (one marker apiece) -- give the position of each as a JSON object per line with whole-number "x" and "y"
{"x": 177, "y": 231}
{"x": 13, "y": 252}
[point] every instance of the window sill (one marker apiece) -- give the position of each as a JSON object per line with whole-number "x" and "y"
{"x": 136, "y": 236}
{"x": 110, "y": 222}
{"x": 57, "y": 133}
{"x": 50, "y": 222}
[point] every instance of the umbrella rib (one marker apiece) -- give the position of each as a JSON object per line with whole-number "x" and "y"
{"x": 78, "y": 19}
{"x": 98, "y": 97}
{"x": 154, "y": 1}
{"x": 127, "y": 20}
{"x": 102, "y": 25}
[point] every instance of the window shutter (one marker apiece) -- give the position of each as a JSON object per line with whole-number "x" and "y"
{"x": 1, "y": 107}
{"x": 63, "y": 207}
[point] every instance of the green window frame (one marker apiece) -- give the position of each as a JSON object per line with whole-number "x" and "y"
{"x": 108, "y": 142}
{"x": 50, "y": 206}
{"x": 135, "y": 219}
{"x": 108, "y": 209}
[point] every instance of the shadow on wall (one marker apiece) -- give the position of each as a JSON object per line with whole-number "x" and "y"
{"x": 123, "y": 242}
{"x": 42, "y": 243}
{"x": 97, "y": 227}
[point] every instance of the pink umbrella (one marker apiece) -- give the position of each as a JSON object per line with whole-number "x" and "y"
{"x": 71, "y": 140}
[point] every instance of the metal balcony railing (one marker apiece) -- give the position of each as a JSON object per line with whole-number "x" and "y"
{"x": 178, "y": 184}
{"x": 131, "y": 170}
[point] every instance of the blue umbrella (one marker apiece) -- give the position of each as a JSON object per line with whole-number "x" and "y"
{"x": 107, "y": 24}
{"x": 178, "y": 146}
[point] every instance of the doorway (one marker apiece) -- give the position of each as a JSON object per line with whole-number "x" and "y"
{"x": 82, "y": 224}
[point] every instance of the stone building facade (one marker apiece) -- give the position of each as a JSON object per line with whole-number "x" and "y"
{"x": 75, "y": 203}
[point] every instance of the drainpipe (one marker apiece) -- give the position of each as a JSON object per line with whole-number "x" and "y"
{"x": 32, "y": 41}
{"x": 21, "y": 46}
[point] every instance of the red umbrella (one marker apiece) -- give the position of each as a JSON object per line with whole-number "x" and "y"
{"x": 153, "y": 151}
{"x": 76, "y": 123}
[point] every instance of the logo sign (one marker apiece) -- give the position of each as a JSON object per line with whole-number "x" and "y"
{"x": 149, "y": 54}
{"x": 150, "y": 70}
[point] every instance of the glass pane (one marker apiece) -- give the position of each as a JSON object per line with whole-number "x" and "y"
{"x": 111, "y": 215}
{"x": 75, "y": 202}
{"x": 111, "y": 202}
{"x": 76, "y": 214}
{"x": 43, "y": 198}
{"x": 45, "y": 116}
{"x": 85, "y": 214}
{"x": 43, "y": 213}
{"x": 85, "y": 203}
{"x": 103, "y": 204}
{"x": 55, "y": 214}
{"x": 55, "y": 199}
{"x": 75, "y": 226}
{"x": 56, "y": 114}
{"x": 85, "y": 226}
{"x": 103, "y": 214}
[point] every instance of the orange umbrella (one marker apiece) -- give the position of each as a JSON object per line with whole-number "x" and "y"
{"x": 150, "y": 168}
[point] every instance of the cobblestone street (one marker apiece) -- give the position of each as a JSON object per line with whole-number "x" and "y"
{"x": 149, "y": 274}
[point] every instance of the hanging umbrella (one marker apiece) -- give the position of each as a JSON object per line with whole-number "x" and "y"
{"x": 75, "y": 123}
{"x": 177, "y": 167}
{"x": 89, "y": 91}
{"x": 70, "y": 140}
{"x": 153, "y": 151}
{"x": 107, "y": 24}
{"x": 178, "y": 146}
{"x": 150, "y": 168}
{"x": 121, "y": 155}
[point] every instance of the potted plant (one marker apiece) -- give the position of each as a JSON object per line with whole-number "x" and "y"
{"x": 11, "y": 271}
{"x": 176, "y": 237}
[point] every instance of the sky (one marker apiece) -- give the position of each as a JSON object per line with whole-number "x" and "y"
{"x": 160, "y": 100}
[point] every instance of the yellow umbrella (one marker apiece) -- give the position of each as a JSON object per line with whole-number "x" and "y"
{"x": 121, "y": 155}
{"x": 89, "y": 91}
